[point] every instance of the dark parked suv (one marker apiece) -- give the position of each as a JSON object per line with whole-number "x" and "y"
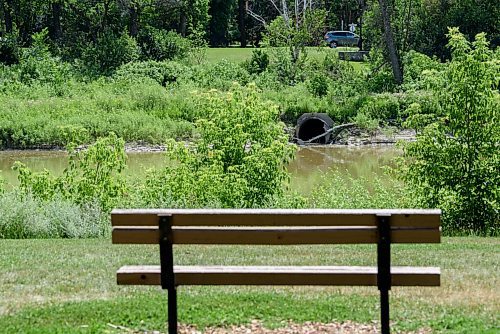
{"x": 341, "y": 38}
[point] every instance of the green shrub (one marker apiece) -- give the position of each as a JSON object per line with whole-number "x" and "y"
{"x": 344, "y": 102}
{"x": 295, "y": 101}
{"x": 453, "y": 165}
{"x": 381, "y": 81}
{"x": 158, "y": 44}
{"x": 417, "y": 67}
{"x": 339, "y": 70}
{"x": 381, "y": 106}
{"x": 38, "y": 67}
{"x": 93, "y": 175}
{"x": 380, "y": 78}
{"x": 288, "y": 72}
{"x": 220, "y": 75}
{"x": 366, "y": 121}
{"x": 258, "y": 63}
{"x": 135, "y": 111}
{"x": 110, "y": 51}
{"x": 164, "y": 73}
{"x": 9, "y": 50}
{"x": 417, "y": 108}
{"x": 24, "y": 216}
{"x": 237, "y": 160}
{"x": 318, "y": 85}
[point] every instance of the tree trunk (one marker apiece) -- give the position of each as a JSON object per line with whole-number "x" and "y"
{"x": 389, "y": 40}
{"x": 362, "y": 8}
{"x": 183, "y": 23}
{"x": 7, "y": 15}
{"x": 133, "y": 28}
{"x": 24, "y": 22}
{"x": 242, "y": 18}
{"x": 55, "y": 27}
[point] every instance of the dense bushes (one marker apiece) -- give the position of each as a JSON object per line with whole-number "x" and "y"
{"x": 454, "y": 163}
{"x": 258, "y": 63}
{"x": 135, "y": 106}
{"x": 137, "y": 111}
{"x": 47, "y": 102}
{"x": 220, "y": 75}
{"x": 238, "y": 159}
{"x": 161, "y": 45}
{"x": 164, "y": 73}
{"x": 9, "y": 50}
{"x": 93, "y": 175}
{"x": 109, "y": 51}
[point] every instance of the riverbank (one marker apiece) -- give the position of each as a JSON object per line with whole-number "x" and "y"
{"x": 380, "y": 136}
{"x": 353, "y": 137}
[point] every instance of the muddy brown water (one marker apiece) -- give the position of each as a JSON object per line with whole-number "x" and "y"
{"x": 307, "y": 170}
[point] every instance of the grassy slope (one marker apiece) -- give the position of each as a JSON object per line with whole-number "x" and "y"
{"x": 66, "y": 286}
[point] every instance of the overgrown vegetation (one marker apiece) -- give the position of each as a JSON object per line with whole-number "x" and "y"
{"x": 237, "y": 159}
{"x": 122, "y": 70}
{"x": 454, "y": 163}
{"x": 92, "y": 175}
{"x": 234, "y": 137}
{"x": 25, "y": 216}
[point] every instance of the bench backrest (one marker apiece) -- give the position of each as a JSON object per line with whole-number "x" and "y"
{"x": 275, "y": 227}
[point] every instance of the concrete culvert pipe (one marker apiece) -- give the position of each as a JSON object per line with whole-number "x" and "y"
{"x": 311, "y": 125}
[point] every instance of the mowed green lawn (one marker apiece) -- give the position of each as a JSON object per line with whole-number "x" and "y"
{"x": 238, "y": 55}
{"x": 68, "y": 286}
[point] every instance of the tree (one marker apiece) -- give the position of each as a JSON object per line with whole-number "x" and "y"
{"x": 295, "y": 27}
{"x": 238, "y": 160}
{"x": 471, "y": 16}
{"x": 389, "y": 41}
{"x": 7, "y": 14}
{"x": 55, "y": 29}
{"x": 454, "y": 163}
{"x": 220, "y": 16}
{"x": 242, "y": 21}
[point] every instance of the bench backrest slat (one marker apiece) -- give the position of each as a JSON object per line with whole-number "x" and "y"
{"x": 268, "y": 217}
{"x": 272, "y": 236}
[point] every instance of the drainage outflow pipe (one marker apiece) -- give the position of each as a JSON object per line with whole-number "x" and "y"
{"x": 311, "y": 127}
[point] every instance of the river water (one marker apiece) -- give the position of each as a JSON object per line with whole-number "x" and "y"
{"x": 307, "y": 170}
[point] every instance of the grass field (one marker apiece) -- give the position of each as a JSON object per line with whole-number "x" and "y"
{"x": 68, "y": 286}
{"x": 238, "y": 55}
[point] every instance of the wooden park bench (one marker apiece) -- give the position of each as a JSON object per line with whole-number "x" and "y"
{"x": 276, "y": 227}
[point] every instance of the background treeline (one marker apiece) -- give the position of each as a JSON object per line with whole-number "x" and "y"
{"x": 79, "y": 29}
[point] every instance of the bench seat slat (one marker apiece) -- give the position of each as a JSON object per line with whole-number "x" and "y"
{"x": 273, "y": 217}
{"x": 272, "y": 236}
{"x": 285, "y": 275}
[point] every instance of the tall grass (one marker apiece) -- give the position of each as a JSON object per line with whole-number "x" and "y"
{"x": 134, "y": 111}
{"x": 23, "y": 217}
{"x": 342, "y": 191}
